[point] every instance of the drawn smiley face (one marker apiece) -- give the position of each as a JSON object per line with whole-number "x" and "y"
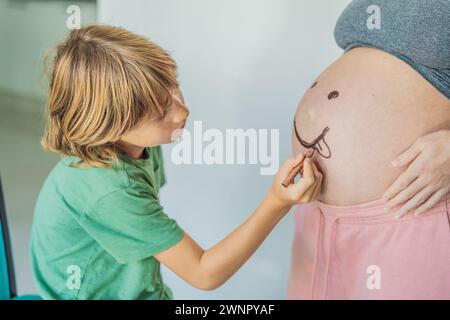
{"x": 319, "y": 143}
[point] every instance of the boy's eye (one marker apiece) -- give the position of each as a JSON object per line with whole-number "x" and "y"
{"x": 165, "y": 111}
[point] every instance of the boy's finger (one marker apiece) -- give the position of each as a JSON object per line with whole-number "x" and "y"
{"x": 316, "y": 192}
{"x": 317, "y": 174}
{"x": 308, "y": 170}
{"x": 289, "y": 164}
{"x": 307, "y": 180}
{"x": 315, "y": 171}
{"x": 317, "y": 184}
{"x": 313, "y": 191}
{"x": 297, "y": 159}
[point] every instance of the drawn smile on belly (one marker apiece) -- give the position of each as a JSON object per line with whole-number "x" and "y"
{"x": 316, "y": 143}
{"x": 319, "y": 143}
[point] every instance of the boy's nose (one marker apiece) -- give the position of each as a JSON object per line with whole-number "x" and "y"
{"x": 181, "y": 116}
{"x": 184, "y": 112}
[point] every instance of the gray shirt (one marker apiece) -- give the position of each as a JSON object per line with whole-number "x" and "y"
{"x": 416, "y": 31}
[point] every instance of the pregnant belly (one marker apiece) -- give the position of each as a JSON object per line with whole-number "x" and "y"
{"x": 369, "y": 106}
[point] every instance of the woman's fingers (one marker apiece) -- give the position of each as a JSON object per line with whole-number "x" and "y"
{"x": 426, "y": 179}
{"x": 401, "y": 183}
{"x": 406, "y": 193}
{"x": 407, "y": 156}
{"x": 414, "y": 202}
{"x": 431, "y": 202}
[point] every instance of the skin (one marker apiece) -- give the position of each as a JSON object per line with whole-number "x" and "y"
{"x": 155, "y": 131}
{"x": 382, "y": 108}
{"x": 318, "y": 144}
{"x": 427, "y": 178}
{"x": 208, "y": 269}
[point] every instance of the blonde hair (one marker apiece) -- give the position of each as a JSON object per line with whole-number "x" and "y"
{"x": 103, "y": 82}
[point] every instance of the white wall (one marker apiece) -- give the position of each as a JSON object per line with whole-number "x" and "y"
{"x": 242, "y": 64}
{"x": 28, "y": 28}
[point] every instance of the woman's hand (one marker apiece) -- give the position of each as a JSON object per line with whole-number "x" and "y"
{"x": 306, "y": 190}
{"x": 427, "y": 179}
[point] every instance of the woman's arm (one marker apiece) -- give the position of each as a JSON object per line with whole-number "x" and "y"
{"x": 209, "y": 269}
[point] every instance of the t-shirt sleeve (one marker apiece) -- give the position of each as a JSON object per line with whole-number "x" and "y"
{"x": 131, "y": 225}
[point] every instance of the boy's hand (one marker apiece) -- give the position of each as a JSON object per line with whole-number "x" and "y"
{"x": 306, "y": 190}
{"x": 209, "y": 269}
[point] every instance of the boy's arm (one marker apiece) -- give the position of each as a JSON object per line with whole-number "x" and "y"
{"x": 209, "y": 269}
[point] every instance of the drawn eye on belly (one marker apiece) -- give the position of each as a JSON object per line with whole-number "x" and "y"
{"x": 319, "y": 144}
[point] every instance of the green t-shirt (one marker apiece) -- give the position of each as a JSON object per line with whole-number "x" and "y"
{"x": 95, "y": 231}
